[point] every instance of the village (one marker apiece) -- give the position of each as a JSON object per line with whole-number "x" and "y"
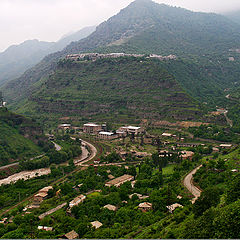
{"x": 95, "y": 56}
{"x": 126, "y": 158}
{"x": 166, "y": 144}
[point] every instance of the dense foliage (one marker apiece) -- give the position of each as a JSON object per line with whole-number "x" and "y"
{"x": 20, "y": 137}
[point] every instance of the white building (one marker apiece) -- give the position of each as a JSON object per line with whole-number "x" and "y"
{"x": 77, "y": 200}
{"x": 132, "y": 129}
{"x": 107, "y": 135}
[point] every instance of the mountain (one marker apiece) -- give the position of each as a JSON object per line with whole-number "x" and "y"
{"x": 74, "y": 37}
{"x": 201, "y": 42}
{"x": 130, "y": 88}
{"x": 15, "y": 60}
{"x": 18, "y": 58}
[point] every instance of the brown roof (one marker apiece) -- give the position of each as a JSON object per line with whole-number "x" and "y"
{"x": 110, "y": 207}
{"x": 72, "y": 235}
{"x": 96, "y": 224}
{"x": 125, "y": 177}
{"x": 145, "y": 205}
{"x": 45, "y": 189}
{"x": 41, "y": 194}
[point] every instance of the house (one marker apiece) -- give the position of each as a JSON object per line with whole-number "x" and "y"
{"x": 145, "y": 206}
{"x": 166, "y": 135}
{"x": 3, "y": 221}
{"x": 214, "y": 149}
{"x": 123, "y": 154}
{"x": 132, "y": 129}
{"x": 227, "y": 146}
{"x": 119, "y": 181}
{"x": 45, "y": 228}
{"x": 91, "y": 128}
{"x": 71, "y": 235}
{"x": 77, "y": 200}
{"x": 111, "y": 176}
{"x": 140, "y": 196}
{"x": 189, "y": 144}
{"x": 45, "y": 189}
{"x": 186, "y": 155}
{"x": 179, "y": 197}
{"x": 107, "y": 135}
{"x": 96, "y": 224}
{"x": 39, "y": 197}
{"x": 110, "y": 207}
{"x": 142, "y": 154}
{"x": 121, "y": 133}
{"x": 172, "y": 207}
{"x": 64, "y": 126}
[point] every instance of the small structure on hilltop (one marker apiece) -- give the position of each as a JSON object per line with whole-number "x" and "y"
{"x": 172, "y": 207}
{"x": 145, "y": 206}
{"x": 110, "y": 207}
{"x": 77, "y": 200}
{"x": 96, "y": 224}
{"x": 92, "y": 128}
{"x": 119, "y": 181}
{"x": 71, "y": 235}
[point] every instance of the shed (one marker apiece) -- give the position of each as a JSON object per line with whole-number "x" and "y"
{"x": 110, "y": 207}
{"x": 96, "y": 224}
{"x": 71, "y": 235}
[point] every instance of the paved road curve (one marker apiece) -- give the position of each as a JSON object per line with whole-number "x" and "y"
{"x": 188, "y": 183}
{"x": 86, "y": 156}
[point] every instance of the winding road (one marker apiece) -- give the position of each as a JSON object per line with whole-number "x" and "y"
{"x": 188, "y": 183}
{"x": 84, "y": 158}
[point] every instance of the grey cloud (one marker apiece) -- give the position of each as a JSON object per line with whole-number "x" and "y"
{"x": 50, "y": 19}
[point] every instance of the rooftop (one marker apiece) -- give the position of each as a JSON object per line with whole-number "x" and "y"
{"x": 106, "y": 133}
{"x": 145, "y": 205}
{"x": 123, "y": 178}
{"x": 72, "y": 235}
{"x": 96, "y": 224}
{"x": 110, "y": 207}
{"x": 91, "y": 125}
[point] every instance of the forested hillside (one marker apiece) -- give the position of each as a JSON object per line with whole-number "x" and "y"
{"x": 126, "y": 87}
{"x": 19, "y": 137}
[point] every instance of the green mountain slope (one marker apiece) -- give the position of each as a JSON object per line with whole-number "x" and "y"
{"x": 128, "y": 87}
{"x": 19, "y": 137}
{"x": 147, "y": 27}
{"x": 18, "y": 58}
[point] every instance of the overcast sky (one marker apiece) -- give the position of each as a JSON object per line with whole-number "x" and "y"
{"x": 48, "y": 20}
